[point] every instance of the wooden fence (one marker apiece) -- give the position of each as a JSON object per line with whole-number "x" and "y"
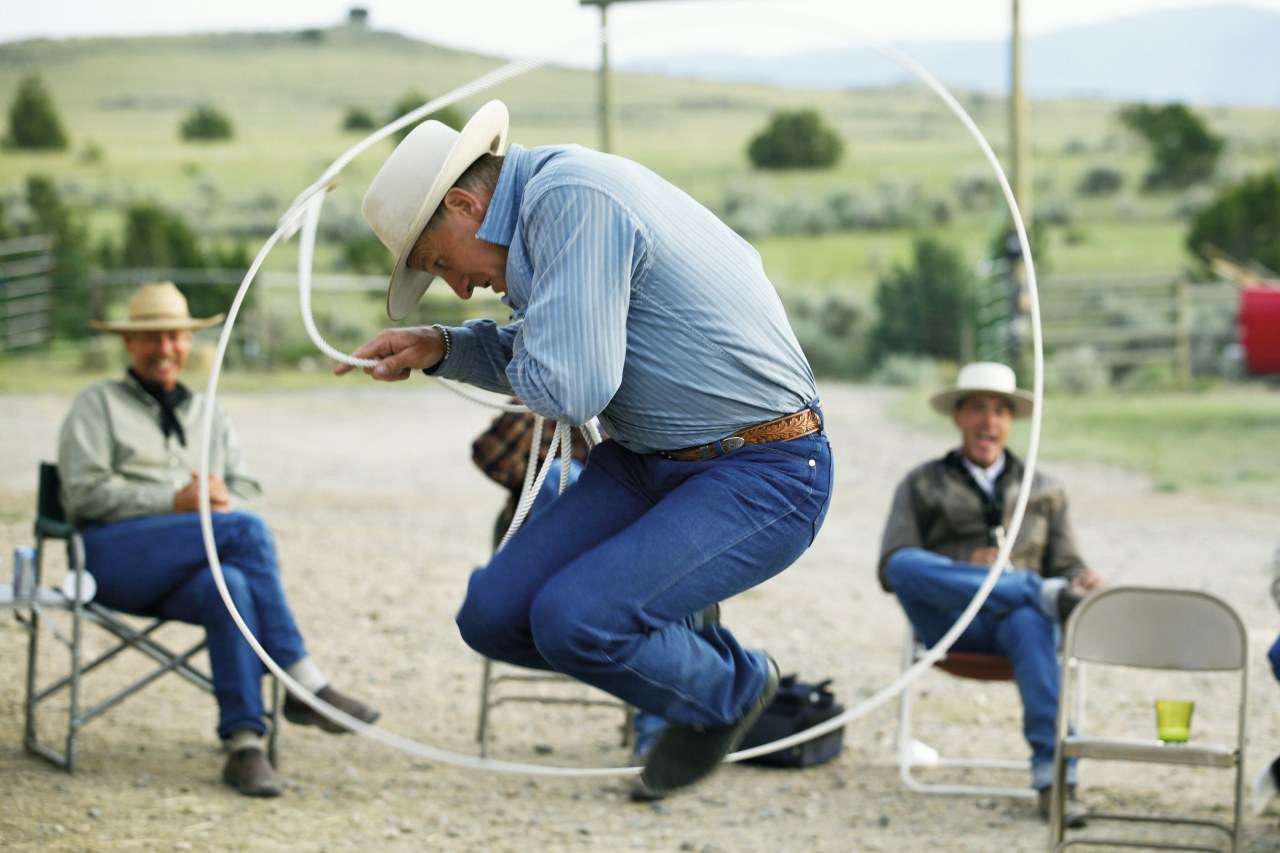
{"x": 1124, "y": 322}
{"x": 26, "y": 292}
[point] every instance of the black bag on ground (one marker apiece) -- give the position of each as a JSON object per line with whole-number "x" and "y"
{"x": 798, "y": 706}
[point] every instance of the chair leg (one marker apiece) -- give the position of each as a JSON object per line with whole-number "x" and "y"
{"x": 907, "y": 751}
{"x": 273, "y": 728}
{"x": 482, "y": 727}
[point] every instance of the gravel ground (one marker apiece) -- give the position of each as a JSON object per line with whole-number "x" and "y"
{"x": 379, "y": 517}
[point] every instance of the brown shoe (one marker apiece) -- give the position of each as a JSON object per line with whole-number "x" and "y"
{"x": 300, "y": 713}
{"x": 249, "y": 772}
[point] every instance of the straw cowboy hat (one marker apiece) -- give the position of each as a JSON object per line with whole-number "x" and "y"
{"x": 157, "y": 307}
{"x": 412, "y": 183}
{"x": 984, "y": 377}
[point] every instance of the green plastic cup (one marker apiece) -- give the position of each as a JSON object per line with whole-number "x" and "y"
{"x": 1173, "y": 720}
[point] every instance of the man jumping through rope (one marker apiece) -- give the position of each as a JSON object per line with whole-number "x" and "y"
{"x": 640, "y": 307}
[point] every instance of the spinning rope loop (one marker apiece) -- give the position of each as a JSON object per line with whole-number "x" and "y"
{"x": 304, "y": 213}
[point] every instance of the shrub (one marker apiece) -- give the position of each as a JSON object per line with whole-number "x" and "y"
{"x": 358, "y": 118}
{"x": 832, "y": 331}
{"x": 33, "y": 121}
{"x": 1183, "y": 149}
{"x": 1243, "y": 221}
{"x": 1100, "y": 181}
{"x": 795, "y": 140}
{"x": 921, "y": 307}
{"x": 206, "y": 124}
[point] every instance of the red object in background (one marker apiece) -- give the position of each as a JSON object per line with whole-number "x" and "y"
{"x": 1259, "y": 327}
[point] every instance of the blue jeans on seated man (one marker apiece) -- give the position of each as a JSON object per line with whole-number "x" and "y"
{"x": 601, "y": 583}
{"x": 1012, "y": 622}
{"x": 157, "y": 565}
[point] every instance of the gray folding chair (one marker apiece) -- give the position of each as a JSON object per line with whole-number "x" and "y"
{"x": 542, "y": 688}
{"x": 126, "y": 631}
{"x": 972, "y": 666}
{"x": 1154, "y": 629}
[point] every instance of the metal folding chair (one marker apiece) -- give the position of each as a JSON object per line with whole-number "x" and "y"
{"x": 914, "y": 756}
{"x": 1122, "y": 629}
{"x": 543, "y": 688}
{"x": 128, "y": 631}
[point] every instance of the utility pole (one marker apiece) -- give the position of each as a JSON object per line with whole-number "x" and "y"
{"x": 605, "y": 105}
{"x": 608, "y": 112}
{"x": 1020, "y": 151}
{"x": 1020, "y": 163}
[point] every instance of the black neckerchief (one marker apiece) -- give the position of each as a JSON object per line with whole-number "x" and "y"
{"x": 169, "y": 402}
{"x": 992, "y": 504}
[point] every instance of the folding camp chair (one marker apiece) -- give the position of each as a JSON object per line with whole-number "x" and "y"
{"x": 914, "y": 755}
{"x": 128, "y": 631}
{"x": 1151, "y": 628}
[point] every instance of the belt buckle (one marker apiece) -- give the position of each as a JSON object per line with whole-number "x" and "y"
{"x": 733, "y": 442}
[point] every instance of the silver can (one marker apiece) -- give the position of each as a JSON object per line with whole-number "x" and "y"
{"x": 24, "y": 572}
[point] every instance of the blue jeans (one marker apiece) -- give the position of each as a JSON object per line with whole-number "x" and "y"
{"x": 157, "y": 565}
{"x": 935, "y": 590}
{"x": 600, "y": 583}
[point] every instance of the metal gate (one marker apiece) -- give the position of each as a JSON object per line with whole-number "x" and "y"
{"x": 26, "y": 292}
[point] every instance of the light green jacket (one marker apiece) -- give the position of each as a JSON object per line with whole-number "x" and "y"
{"x": 115, "y": 462}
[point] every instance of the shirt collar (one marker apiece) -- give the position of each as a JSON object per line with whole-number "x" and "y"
{"x": 499, "y": 225}
{"x": 985, "y": 477}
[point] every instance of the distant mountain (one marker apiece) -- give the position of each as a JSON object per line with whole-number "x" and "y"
{"x": 1213, "y": 55}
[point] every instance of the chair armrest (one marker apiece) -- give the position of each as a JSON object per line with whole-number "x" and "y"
{"x": 56, "y": 529}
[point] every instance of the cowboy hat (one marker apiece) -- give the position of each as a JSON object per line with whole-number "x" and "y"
{"x": 984, "y": 377}
{"x": 412, "y": 183}
{"x": 157, "y": 307}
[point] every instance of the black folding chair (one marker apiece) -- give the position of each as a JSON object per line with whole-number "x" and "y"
{"x": 135, "y": 631}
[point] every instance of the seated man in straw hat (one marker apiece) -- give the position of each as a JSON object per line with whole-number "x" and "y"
{"x": 641, "y": 308}
{"x": 128, "y": 454}
{"x": 946, "y": 524}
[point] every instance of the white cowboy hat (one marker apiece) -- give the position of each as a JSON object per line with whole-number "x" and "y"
{"x": 984, "y": 377}
{"x": 157, "y": 307}
{"x": 412, "y": 183}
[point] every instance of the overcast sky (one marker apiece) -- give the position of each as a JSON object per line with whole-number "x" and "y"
{"x": 511, "y": 28}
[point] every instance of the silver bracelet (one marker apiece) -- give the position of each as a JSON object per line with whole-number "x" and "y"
{"x": 448, "y": 342}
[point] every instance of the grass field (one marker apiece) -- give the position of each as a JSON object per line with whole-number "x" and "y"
{"x": 122, "y": 101}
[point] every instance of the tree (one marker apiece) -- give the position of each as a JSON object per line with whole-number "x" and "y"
{"x": 411, "y": 100}
{"x": 50, "y": 215}
{"x": 795, "y": 140}
{"x": 1243, "y": 221}
{"x": 159, "y": 239}
{"x": 33, "y": 121}
{"x": 1183, "y": 149}
{"x": 921, "y": 307}
{"x": 206, "y": 124}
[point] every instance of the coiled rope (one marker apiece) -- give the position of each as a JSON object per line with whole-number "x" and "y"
{"x": 304, "y": 213}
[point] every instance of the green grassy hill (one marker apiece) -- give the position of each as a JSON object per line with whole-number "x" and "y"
{"x": 122, "y": 101}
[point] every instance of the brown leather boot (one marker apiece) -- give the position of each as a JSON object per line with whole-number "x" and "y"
{"x": 301, "y": 714}
{"x": 249, "y": 772}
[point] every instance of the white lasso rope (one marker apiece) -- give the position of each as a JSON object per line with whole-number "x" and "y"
{"x": 304, "y": 212}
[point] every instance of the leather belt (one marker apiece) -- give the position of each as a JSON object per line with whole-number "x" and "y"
{"x": 786, "y": 428}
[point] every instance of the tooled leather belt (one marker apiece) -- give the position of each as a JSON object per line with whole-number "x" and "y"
{"x": 786, "y": 428}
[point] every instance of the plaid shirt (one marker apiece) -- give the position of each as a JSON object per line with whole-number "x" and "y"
{"x": 502, "y": 450}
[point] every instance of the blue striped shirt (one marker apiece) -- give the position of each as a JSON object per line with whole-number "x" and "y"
{"x": 639, "y": 306}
